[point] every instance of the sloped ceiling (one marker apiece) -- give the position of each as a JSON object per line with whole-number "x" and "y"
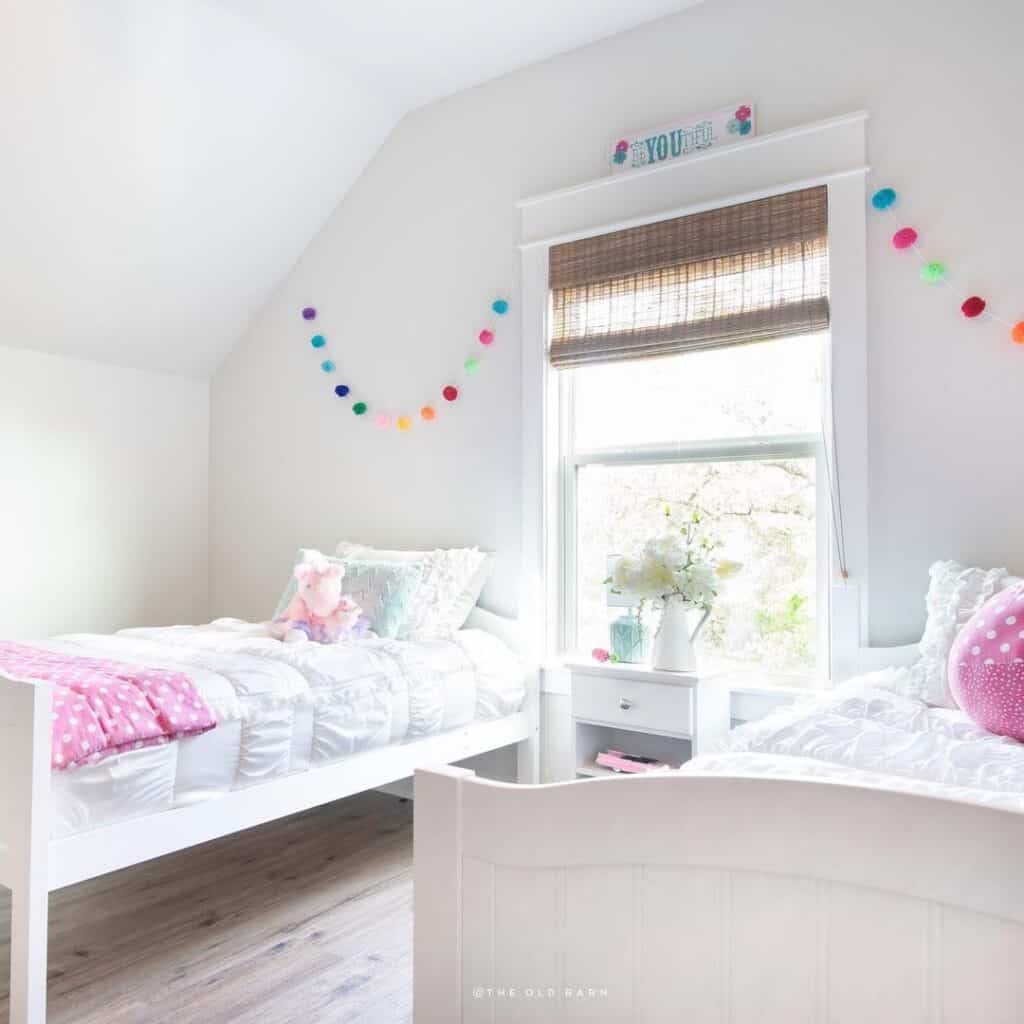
{"x": 166, "y": 164}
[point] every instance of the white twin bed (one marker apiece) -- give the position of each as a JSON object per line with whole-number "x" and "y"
{"x": 297, "y": 726}
{"x": 857, "y": 857}
{"x": 281, "y": 709}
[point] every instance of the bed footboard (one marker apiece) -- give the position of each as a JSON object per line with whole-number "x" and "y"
{"x": 713, "y": 899}
{"x": 24, "y": 838}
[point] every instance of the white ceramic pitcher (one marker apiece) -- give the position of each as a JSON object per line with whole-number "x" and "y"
{"x": 673, "y": 641}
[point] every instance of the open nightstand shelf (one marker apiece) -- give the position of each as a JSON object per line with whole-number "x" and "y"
{"x": 669, "y": 716}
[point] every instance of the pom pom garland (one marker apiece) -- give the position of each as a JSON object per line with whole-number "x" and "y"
{"x": 427, "y": 413}
{"x": 883, "y": 198}
{"x": 934, "y": 271}
{"x": 904, "y": 238}
{"x": 974, "y": 306}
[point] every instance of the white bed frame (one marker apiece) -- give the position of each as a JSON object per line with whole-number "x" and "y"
{"x": 713, "y": 899}
{"x": 32, "y": 865}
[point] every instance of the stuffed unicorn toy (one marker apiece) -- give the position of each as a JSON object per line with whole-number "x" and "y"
{"x": 318, "y": 611}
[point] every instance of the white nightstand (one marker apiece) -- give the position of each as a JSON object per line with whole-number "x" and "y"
{"x": 671, "y": 716}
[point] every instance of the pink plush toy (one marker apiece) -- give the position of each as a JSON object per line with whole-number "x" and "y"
{"x": 318, "y": 611}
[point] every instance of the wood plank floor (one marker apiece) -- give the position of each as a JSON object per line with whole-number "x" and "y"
{"x": 303, "y": 920}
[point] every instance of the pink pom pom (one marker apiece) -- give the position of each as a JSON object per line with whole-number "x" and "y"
{"x": 383, "y": 421}
{"x": 486, "y": 337}
{"x": 904, "y": 238}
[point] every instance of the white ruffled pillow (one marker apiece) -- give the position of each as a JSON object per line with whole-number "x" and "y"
{"x": 956, "y": 592}
{"x": 449, "y": 587}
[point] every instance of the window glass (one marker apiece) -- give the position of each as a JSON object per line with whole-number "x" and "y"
{"x": 772, "y": 387}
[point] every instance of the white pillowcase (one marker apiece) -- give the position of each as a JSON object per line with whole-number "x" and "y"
{"x": 449, "y": 587}
{"x": 956, "y": 592}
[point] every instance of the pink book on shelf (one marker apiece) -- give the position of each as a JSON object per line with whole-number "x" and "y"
{"x": 617, "y": 761}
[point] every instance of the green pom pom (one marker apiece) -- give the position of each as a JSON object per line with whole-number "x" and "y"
{"x": 359, "y": 408}
{"x": 933, "y": 272}
{"x": 472, "y": 365}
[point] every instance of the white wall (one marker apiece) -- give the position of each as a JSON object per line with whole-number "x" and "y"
{"x": 426, "y": 237}
{"x": 103, "y": 496}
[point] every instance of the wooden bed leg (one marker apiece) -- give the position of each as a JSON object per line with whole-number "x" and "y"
{"x": 25, "y": 774}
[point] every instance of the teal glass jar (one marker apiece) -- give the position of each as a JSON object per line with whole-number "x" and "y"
{"x": 629, "y": 639}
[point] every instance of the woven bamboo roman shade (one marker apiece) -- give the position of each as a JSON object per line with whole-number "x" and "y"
{"x": 729, "y": 276}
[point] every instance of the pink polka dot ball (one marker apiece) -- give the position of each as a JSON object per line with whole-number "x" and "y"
{"x": 986, "y": 665}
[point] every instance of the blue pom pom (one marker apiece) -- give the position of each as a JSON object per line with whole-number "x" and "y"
{"x": 500, "y": 306}
{"x": 341, "y": 390}
{"x": 327, "y": 366}
{"x": 883, "y": 198}
{"x": 318, "y": 341}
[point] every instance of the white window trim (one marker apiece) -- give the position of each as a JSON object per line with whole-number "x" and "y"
{"x": 831, "y": 153}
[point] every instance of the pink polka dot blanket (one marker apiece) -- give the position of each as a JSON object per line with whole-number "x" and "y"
{"x": 105, "y": 707}
{"x": 986, "y": 665}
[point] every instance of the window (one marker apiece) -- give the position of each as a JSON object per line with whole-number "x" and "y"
{"x": 726, "y": 422}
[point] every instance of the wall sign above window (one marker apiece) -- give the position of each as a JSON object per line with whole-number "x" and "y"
{"x": 682, "y": 138}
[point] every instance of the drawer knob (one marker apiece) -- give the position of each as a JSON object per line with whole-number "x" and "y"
{"x": 625, "y": 703}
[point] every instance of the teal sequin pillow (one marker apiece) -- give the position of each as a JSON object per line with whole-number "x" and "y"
{"x": 384, "y": 590}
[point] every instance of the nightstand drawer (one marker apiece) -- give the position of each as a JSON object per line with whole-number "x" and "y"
{"x": 633, "y": 704}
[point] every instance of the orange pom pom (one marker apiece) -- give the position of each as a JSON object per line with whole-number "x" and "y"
{"x": 427, "y": 412}
{"x": 1018, "y": 333}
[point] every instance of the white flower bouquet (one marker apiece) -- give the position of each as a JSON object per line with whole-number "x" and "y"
{"x": 679, "y": 563}
{"x": 677, "y": 570}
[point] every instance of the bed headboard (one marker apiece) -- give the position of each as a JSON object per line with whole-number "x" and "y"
{"x": 507, "y": 630}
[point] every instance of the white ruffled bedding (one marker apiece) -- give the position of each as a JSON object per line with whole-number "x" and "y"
{"x": 868, "y": 732}
{"x": 281, "y": 709}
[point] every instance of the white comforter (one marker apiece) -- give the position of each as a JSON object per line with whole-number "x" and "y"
{"x": 867, "y": 733}
{"x": 281, "y": 709}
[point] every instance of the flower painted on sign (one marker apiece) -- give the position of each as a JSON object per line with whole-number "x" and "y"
{"x": 740, "y": 123}
{"x": 621, "y": 149}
